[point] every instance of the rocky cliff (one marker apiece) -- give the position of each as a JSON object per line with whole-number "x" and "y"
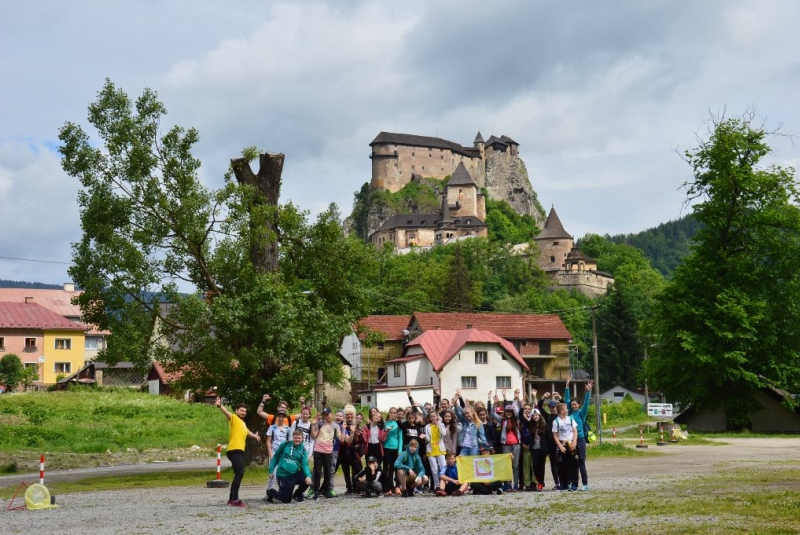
{"x": 507, "y": 180}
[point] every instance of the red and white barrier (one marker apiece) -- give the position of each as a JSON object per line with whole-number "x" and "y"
{"x": 41, "y": 470}
{"x": 219, "y": 462}
{"x": 614, "y": 435}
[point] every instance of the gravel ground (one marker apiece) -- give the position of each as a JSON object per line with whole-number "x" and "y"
{"x": 192, "y": 510}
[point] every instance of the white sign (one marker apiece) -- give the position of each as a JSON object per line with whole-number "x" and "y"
{"x": 659, "y": 410}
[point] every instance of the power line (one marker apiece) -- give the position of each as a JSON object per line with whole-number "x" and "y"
{"x": 35, "y": 260}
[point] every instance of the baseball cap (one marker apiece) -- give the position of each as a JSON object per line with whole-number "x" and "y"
{"x": 372, "y": 459}
{"x": 326, "y": 410}
{"x": 552, "y": 404}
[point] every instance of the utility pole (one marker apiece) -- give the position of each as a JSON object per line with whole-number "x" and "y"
{"x": 646, "y": 393}
{"x": 597, "y": 418}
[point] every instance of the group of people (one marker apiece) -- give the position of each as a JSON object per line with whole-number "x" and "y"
{"x": 413, "y": 449}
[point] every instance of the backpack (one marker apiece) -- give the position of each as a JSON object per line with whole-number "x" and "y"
{"x": 588, "y": 433}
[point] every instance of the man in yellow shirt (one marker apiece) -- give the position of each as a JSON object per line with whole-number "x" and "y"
{"x": 236, "y": 441}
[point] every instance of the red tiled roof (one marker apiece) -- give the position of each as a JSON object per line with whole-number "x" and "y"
{"x": 390, "y": 326}
{"x": 442, "y": 345}
{"x": 58, "y": 301}
{"x": 167, "y": 377}
{"x": 518, "y": 326}
{"x": 34, "y": 316}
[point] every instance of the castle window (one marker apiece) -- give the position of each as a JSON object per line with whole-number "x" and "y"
{"x": 555, "y": 243}
{"x": 412, "y": 154}
{"x": 552, "y": 258}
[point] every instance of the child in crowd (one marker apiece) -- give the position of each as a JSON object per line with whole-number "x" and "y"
{"x": 578, "y": 413}
{"x": 368, "y": 480}
{"x": 324, "y": 432}
{"x": 452, "y": 427}
{"x": 565, "y": 435}
{"x": 290, "y": 466}
{"x": 277, "y": 434}
{"x": 449, "y": 485}
{"x": 539, "y": 447}
{"x": 391, "y": 449}
{"x": 435, "y": 431}
{"x": 410, "y": 470}
{"x": 471, "y": 437}
{"x": 304, "y": 425}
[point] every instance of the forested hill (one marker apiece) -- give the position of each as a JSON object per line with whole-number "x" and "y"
{"x": 33, "y": 285}
{"x": 665, "y": 245}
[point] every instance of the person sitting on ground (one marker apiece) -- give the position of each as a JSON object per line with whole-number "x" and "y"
{"x": 368, "y": 480}
{"x": 449, "y": 485}
{"x": 289, "y": 466}
{"x": 410, "y": 470}
{"x": 236, "y": 443}
{"x": 492, "y": 487}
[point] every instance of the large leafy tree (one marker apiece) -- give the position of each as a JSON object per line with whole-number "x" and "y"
{"x": 726, "y": 324}
{"x": 225, "y": 286}
{"x": 12, "y": 371}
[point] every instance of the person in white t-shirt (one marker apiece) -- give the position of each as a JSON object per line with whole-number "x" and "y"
{"x": 565, "y": 435}
{"x": 277, "y": 434}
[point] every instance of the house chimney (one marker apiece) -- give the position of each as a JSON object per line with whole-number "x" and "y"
{"x": 69, "y": 286}
{"x": 469, "y": 326}
{"x": 28, "y": 299}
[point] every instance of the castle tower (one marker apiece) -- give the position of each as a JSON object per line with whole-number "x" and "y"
{"x": 463, "y": 195}
{"x": 479, "y": 144}
{"x": 554, "y": 243}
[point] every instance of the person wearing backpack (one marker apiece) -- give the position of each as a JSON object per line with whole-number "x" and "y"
{"x": 578, "y": 413}
{"x": 289, "y": 466}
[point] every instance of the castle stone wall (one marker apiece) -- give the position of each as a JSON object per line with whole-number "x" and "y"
{"x": 553, "y": 253}
{"x": 393, "y": 165}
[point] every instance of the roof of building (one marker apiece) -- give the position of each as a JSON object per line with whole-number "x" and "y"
{"x": 577, "y": 254}
{"x": 34, "y": 316}
{"x": 441, "y": 346}
{"x": 427, "y": 221}
{"x": 390, "y": 326}
{"x": 461, "y": 177}
{"x": 516, "y": 326}
{"x": 423, "y": 141}
{"x": 478, "y": 138}
{"x": 165, "y": 377}
{"x": 553, "y": 228}
{"x": 58, "y": 301}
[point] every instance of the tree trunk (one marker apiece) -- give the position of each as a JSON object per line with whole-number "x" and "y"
{"x": 263, "y": 238}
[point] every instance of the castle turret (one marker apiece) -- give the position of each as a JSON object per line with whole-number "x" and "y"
{"x": 479, "y": 144}
{"x": 554, "y": 243}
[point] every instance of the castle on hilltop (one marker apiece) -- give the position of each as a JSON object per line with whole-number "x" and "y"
{"x": 493, "y": 164}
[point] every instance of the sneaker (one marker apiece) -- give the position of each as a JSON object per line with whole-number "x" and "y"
{"x": 417, "y": 491}
{"x": 315, "y": 496}
{"x": 309, "y": 492}
{"x": 350, "y": 491}
{"x": 585, "y": 487}
{"x": 499, "y": 492}
{"x": 404, "y": 494}
{"x": 540, "y": 487}
{"x": 299, "y": 498}
{"x": 572, "y": 488}
{"x": 237, "y": 503}
{"x": 367, "y": 494}
{"x": 440, "y": 493}
{"x": 329, "y": 494}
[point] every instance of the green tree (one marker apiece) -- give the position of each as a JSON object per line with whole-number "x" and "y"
{"x": 11, "y": 371}
{"x": 259, "y": 296}
{"x": 726, "y": 324}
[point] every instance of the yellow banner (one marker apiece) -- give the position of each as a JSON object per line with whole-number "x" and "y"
{"x": 484, "y": 468}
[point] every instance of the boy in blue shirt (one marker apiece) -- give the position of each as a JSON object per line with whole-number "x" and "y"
{"x": 449, "y": 485}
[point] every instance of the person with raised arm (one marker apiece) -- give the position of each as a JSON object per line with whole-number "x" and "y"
{"x": 236, "y": 444}
{"x": 578, "y": 413}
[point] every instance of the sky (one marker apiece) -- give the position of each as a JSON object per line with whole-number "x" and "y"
{"x": 603, "y": 97}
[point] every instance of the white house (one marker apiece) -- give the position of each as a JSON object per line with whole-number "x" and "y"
{"x": 472, "y": 360}
{"x": 617, "y": 393}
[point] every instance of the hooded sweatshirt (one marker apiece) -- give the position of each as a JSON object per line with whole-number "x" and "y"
{"x": 410, "y": 461}
{"x": 289, "y": 459}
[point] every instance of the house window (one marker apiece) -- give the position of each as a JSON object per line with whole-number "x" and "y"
{"x": 92, "y": 343}
{"x": 63, "y": 343}
{"x": 544, "y": 347}
{"x": 2, "y": 342}
{"x": 412, "y": 235}
{"x": 30, "y": 343}
{"x": 62, "y": 367}
{"x": 369, "y": 399}
{"x": 469, "y": 381}
{"x": 503, "y": 381}
{"x": 380, "y": 346}
{"x": 396, "y": 370}
{"x": 481, "y": 357}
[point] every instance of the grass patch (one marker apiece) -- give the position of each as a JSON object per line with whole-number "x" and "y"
{"x": 609, "y": 449}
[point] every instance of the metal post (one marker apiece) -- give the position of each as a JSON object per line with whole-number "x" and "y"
{"x": 646, "y": 393}
{"x": 318, "y": 391}
{"x": 597, "y": 406}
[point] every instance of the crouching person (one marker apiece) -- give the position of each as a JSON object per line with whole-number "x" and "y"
{"x": 289, "y": 465}
{"x": 368, "y": 480}
{"x": 410, "y": 470}
{"x": 449, "y": 485}
{"x": 492, "y": 487}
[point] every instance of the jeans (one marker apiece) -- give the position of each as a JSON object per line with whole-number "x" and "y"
{"x": 236, "y": 457}
{"x": 286, "y": 487}
{"x": 581, "y": 447}
{"x": 513, "y": 449}
{"x": 437, "y": 463}
{"x": 465, "y": 451}
{"x": 322, "y": 469}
